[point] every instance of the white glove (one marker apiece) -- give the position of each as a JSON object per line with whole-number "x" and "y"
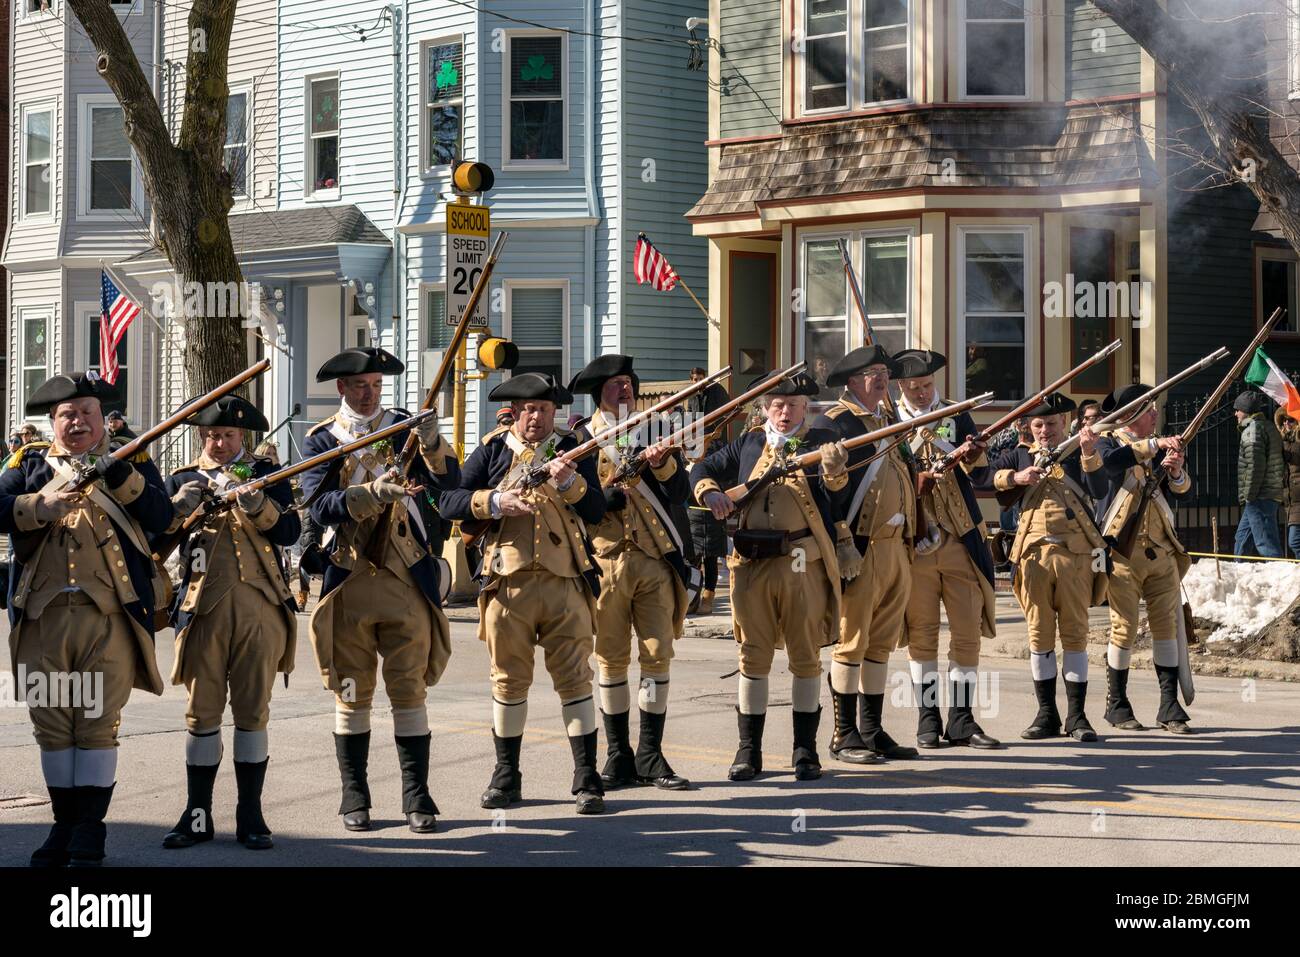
{"x": 426, "y": 431}
{"x": 835, "y": 459}
{"x": 850, "y": 561}
{"x": 250, "y": 500}
{"x": 188, "y": 497}
{"x": 386, "y": 489}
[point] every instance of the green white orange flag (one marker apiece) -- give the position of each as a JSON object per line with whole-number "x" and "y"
{"x": 1264, "y": 375}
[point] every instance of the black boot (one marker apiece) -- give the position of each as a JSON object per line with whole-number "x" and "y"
{"x": 748, "y": 763}
{"x": 587, "y": 788}
{"x": 846, "y": 744}
{"x": 1171, "y": 715}
{"x": 54, "y": 852}
{"x": 1047, "y": 723}
{"x": 1119, "y": 711}
{"x": 929, "y": 722}
{"x": 195, "y": 825}
{"x": 807, "y": 766}
{"x": 871, "y": 709}
{"x": 620, "y": 766}
{"x": 250, "y": 826}
{"x": 86, "y": 847}
{"x": 506, "y": 786}
{"x": 353, "y": 753}
{"x": 417, "y": 804}
{"x": 1076, "y": 722}
{"x": 651, "y": 765}
{"x": 963, "y": 729}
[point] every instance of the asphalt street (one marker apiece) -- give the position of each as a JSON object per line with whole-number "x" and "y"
{"x": 1225, "y": 796}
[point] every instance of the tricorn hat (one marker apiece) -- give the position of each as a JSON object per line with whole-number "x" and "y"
{"x": 857, "y": 360}
{"x": 68, "y": 386}
{"x": 918, "y": 363}
{"x": 231, "y": 411}
{"x": 1055, "y": 403}
{"x": 1123, "y": 396}
{"x": 801, "y": 383}
{"x": 359, "y": 360}
{"x": 599, "y": 371}
{"x": 531, "y": 385}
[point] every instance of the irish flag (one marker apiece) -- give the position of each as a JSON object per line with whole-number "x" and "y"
{"x": 1264, "y": 375}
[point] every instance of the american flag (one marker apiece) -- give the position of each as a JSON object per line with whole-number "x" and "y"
{"x": 649, "y": 265}
{"x": 116, "y": 313}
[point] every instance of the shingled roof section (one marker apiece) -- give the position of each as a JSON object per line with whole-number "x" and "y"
{"x": 1028, "y": 147}
{"x": 312, "y": 226}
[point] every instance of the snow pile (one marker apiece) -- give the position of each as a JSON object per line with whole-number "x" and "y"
{"x": 1249, "y": 598}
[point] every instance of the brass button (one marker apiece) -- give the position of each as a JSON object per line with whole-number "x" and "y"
{"x": 125, "y": 578}
{"x": 72, "y": 581}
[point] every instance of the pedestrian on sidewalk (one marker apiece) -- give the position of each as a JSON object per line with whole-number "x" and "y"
{"x": 1289, "y": 429}
{"x": 1261, "y": 475}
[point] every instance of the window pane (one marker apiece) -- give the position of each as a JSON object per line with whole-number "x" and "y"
{"x": 38, "y": 137}
{"x": 824, "y": 344}
{"x": 437, "y": 333}
{"x": 325, "y": 105}
{"x": 535, "y": 67}
{"x": 886, "y": 276}
{"x": 827, "y": 69}
{"x": 236, "y": 118}
{"x": 827, "y": 16}
{"x": 825, "y": 280}
{"x": 107, "y": 134}
{"x": 32, "y": 379}
{"x": 537, "y": 316}
{"x": 536, "y": 130}
{"x": 444, "y": 135}
{"x": 548, "y": 361}
{"x": 995, "y": 272}
{"x": 326, "y": 165}
{"x": 996, "y": 369}
{"x": 995, "y": 9}
{"x": 886, "y": 65}
{"x": 34, "y": 345}
{"x": 110, "y": 184}
{"x": 236, "y": 163}
{"x": 37, "y": 183}
{"x": 995, "y": 59}
{"x": 1278, "y": 289}
{"x": 445, "y": 72}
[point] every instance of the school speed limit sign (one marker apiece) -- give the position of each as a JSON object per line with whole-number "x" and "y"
{"x": 468, "y": 232}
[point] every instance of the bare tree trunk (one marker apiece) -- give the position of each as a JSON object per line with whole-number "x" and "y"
{"x": 187, "y": 184}
{"x": 1203, "y": 62}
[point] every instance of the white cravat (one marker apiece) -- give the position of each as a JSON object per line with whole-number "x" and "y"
{"x": 775, "y": 436}
{"x": 354, "y": 421}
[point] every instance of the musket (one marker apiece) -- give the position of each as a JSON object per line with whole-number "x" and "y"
{"x": 742, "y": 494}
{"x": 376, "y": 550}
{"x": 629, "y": 470}
{"x": 87, "y": 474}
{"x": 950, "y": 459}
{"x": 1126, "y": 537}
{"x": 1114, "y": 420}
{"x": 224, "y": 501}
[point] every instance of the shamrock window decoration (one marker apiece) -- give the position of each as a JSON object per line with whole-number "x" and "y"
{"x": 444, "y": 109}
{"x": 323, "y": 122}
{"x": 536, "y": 98}
{"x": 446, "y": 76}
{"x": 536, "y": 69}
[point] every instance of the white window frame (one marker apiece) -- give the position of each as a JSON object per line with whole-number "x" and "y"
{"x": 25, "y": 110}
{"x": 85, "y": 104}
{"x": 510, "y": 285}
{"x": 537, "y": 166}
{"x": 308, "y": 154}
{"x": 855, "y": 75}
{"x": 1031, "y": 13}
{"x": 84, "y": 312}
{"x": 52, "y": 7}
{"x": 425, "y": 105}
{"x": 1293, "y": 49}
{"x": 1033, "y": 303}
{"x": 426, "y": 320}
{"x": 125, "y": 9}
{"x": 26, "y": 313}
{"x": 857, "y": 240}
{"x": 1281, "y": 254}
{"x": 244, "y": 89}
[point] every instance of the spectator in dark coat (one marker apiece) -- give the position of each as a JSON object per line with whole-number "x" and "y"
{"x": 1289, "y": 429}
{"x": 1261, "y": 475}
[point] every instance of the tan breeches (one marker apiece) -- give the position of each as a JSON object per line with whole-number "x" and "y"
{"x": 531, "y": 609}
{"x": 1157, "y": 583}
{"x": 946, "y": 574}
{"x": 773, "y": 606}
{"x": 1054, "y": 587}
{"x": 874, "y": 604}
{"x": 636, "y": 591}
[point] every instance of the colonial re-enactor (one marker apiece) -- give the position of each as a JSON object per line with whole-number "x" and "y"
{"x": 234, "y": 617}
{"x": 952, "y": 564}
{"x": 880, "y": 515}
{"x": 1116, "y": 470}
{"x": 1059, "y": 561}
{"x": 639, "y": 552}
{"x": 367, "y": 612}
{"x": 539, "y": 579}
{"x": 84, "y": 601}
{"x": 785, "y": 571}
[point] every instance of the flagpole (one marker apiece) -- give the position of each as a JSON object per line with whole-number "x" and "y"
{"x": 117, "y": 281}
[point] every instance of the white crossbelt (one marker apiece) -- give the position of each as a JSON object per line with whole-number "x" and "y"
{"x": 368, "y": 473}
{"x": 643, "y": 491}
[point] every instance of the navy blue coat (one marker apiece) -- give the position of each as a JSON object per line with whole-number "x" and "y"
{"x": 967, "y": 482}
{"x": 733, "y": 463}
{"x": 487, "y": 467}
{"x": 283, "y": 533}
{"x": 152, "y": 511}
{"x": 329, "y": 507}
{"x": 1116, "y": 459}
{"x": 848, "y": 426}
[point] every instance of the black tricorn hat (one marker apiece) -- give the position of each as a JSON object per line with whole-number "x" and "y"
{"x": 859, "y": 359}
{"x": 531, "y": 385}
{"x": 359, "y": 360}
{"x": 599, "y": 371}
{"x": 68, "y": 386}
{"x": 1123, "y": 396}
{"x": 232, "y": 412}
{"x": 801, "y": 383}
{"x": 1056, "y": 403}
{"x": 918, "y": 363}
